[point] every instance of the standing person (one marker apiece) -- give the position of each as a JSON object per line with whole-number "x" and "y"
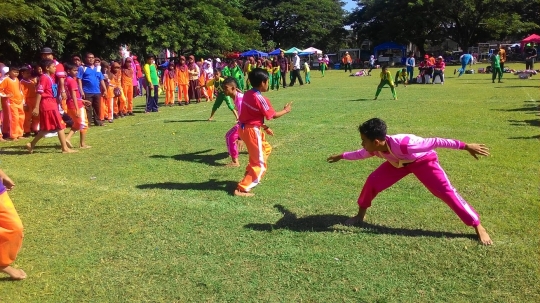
{"x": 182, "y": 80}
{"x": 231, "y": 137}
{"x": 386, "y": 78}
{"x": 323, "y": 64}
{"x": 140, "y": 76}
{"x": 75, "y": 108}
{"x": 12, "y": 105}
{"x": 405, "y": 154}
{"x": 347, "y": 62}
{"x": 496, "y": 67}
{"x": 502, "y": 55}
{"x": 92, "y": 86}
{"x": 76, "y": 60}
{"x": 29, "y": 87}
{"x": 411, "y": 63}
{"x": 530, "y": 55}
{"x": 438, "y": 69}
{"x": 193, "y": 69}
{"x": 296, "y": 67}
{"x": 128, "y": 74}
{"x": 60, "y": 76}
{"x": 237, "y": 73}
{"x": 255, "y": 108}
{"x": 118, "y": 95}
{"x": 169, "y": 84}
{"x": 152, "y": 85}
{"x": 276, "y": 74}
{"x": 209, "y": 74}
{"x": 465, "y": 59}
{"x": 283, "y": 68}
{"x": 11, "y": 230}
{"x": 46, "y": 108}
{"x": 371, "y": 64}
{"x": 307, "y": 72}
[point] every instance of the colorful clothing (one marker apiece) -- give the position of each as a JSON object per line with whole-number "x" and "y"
{"x": 50, "y": 119}
{"x": 232, "y": 135}
{"x": 386, "y": 78}
{"x": 465, "y": 59}
{"x": 11, "y": 229}
{"x": 29, "y": 87}
{"x": 411, "y": 154}
{"x": 12, "y": 108}
{"x": 496, "y": 67}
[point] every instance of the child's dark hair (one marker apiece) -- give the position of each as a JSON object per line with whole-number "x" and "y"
{"x": 403, "y": 69}
{"x": 374, "y": 128}
{"x": 230, "y": 81}
{"x": 14, "y": 68}
{"x": 257, "y": 76}
{"x": 45, "y": 63}
{"x": 25, "y": 69}
{"x": 69, "y": 66}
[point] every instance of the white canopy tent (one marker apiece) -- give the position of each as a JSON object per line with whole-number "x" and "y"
{"x": 312, "y": 50}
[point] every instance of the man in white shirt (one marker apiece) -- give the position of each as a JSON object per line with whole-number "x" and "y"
{"x": 296, "y": 70}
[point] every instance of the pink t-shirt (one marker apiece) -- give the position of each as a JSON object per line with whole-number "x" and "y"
{"x": 71, "y": 85}
{"x": 405, "y": 147}
{"x": 45, "y": 89}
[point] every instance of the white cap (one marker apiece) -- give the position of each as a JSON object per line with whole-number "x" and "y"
{"x": 295, "y": 52}
{"x": 218, "y": 60}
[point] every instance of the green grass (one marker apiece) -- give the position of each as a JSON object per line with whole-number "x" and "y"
{"x": 146, "y": 215}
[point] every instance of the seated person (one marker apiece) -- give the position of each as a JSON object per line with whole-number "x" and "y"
{"x": 426, "y": 68}
{"x": 439, "y": 70}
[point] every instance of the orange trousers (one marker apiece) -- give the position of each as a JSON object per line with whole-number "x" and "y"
{"x": 128, "y": 94}
{"x": 183, "y": 92}
{"x": 15, "y": 125}
{"x": 31, "y": 123}
{"x": 106, "y": 109}
{"x": 80, "y": 123}
{"x": 258, "y": 150}
{"x": 119, "y": 104}
{"x": 169, "y": 95}
{"x": 11, "y": 231}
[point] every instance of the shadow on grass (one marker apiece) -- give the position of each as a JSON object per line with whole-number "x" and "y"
{"x": 212, "y": 184}
{"x": 519, "y": 138}
{"x": 324, "y": 223}
{"x": 530, "y": 122}
{"x": 21, "y": 150}
{"x": 516, "y": 86}
{"x": 198, "y": 157}
{"x": 531, "y": 108}
{"x": 362, "y": 99}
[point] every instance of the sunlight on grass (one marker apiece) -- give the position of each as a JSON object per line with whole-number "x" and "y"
{"x": 147, "y": 214}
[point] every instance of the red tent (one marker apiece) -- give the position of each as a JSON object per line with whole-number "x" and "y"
{"x": 233, "y": 55}
{"x": 531, "y": 39}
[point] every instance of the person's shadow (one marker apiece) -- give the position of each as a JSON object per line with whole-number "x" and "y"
{"x": 325, "y": 223}
{"x": 212, "y": 184}
{"x": 198, "y": 157}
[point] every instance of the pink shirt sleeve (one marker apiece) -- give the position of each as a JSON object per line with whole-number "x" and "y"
{"x": 266, "y": 107}
{"x": 415, "y": 144}
{"x": 357, "y": 155}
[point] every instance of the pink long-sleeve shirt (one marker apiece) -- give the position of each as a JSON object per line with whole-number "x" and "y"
{"x": 238, "y": 101}
{"x": 405, "y": 148}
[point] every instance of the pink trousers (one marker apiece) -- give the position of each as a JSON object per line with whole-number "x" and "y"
{"x": 430, "y": 173}
{"x": 230, "y": 138}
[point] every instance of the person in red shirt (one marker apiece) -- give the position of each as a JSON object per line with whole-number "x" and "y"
{"x": 439, "y": 70}
{"x": 255, "y": 108}
{"x": 46, "y": 108}
{"x": 140, "y": 76}
{"x": 75, "y": 107}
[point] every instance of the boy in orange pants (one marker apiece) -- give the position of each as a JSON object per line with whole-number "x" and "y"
{"x": 12, "y": 105}
{"x": 11, "y": 231}
{"x": 29, "y": 87}
{"x": 255, "y": 108}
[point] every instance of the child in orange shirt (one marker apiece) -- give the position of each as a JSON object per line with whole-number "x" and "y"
{"x": 107, "y": 108}
{"x": 119, "y": 99}
{"x": 29, "y": 87}
{"x": 127, "y": 85}
{"x": 182, "y": 79}
{"x": 12, "y": 105}
{"x": 169, "y": 84}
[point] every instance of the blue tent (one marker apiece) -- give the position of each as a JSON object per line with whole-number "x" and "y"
{"x": 305, "y": 54}
{"x": 275, "y": 52}
{"x": 389, "y": 45}
{"x": 254, "y": 53}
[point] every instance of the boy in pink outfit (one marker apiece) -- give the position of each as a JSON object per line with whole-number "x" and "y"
{"x": 405, "y": 154}
{"x": 232, "y": 138}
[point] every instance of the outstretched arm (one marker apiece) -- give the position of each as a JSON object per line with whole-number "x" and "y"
{"x": 477, "y": 149}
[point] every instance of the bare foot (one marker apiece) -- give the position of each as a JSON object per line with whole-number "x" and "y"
{"x": 15, "y": 139}
{"x": 375, "y": 98}
{"x": 233, "y": 164}
{"x": 69, "y": 151}
{"x": 483, "y": 235}
{"x": 15, "y": 274}
{"x": 2, "y": 139}
{"x": 86, "y": 146}
{"x": 68, "y": 143}
{"x": 29, "y": 147}
{"x": 354, "y": 221}
{"x": 210, "y": 119}
{"x": 242, "y": 193}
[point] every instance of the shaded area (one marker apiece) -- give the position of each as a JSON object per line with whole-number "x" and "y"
{"x": 198, "y": 157}
{"x": 531, "y": 122}
{"x": 212, "y": 184}
{"x": 517, "y": 86}
{"x": 362, "y": 99}
{"x": 324, "y": 223}
{"x": 531, "y": 107}
{"x": 22, "y": 150}
{"x": 186, "y": 121}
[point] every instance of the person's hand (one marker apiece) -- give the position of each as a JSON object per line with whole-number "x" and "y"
{"x": 269, "y": 131}
{"x": 104, "y": 94}
{"x": 477, "y": 149}
{"x": 86, "y": 102}
{"x": 287, "y": 107}
{"x": 64, "y": 95}
{"x": 334, "y": 158}
{"x": 8, "y": 183}
{"x": 35, "y": 112}
{"x": 82, "y": 95}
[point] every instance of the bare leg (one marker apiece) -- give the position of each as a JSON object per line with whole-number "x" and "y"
{"x": 212, "y": 115}
{"x": 83, "y": 141}
{"x": 30, "y": 146}
{"x": 483, "y": 235}
{"x": 358, "y": 219}
{"x": 234, "y": 163}
{"x": 68, "y": 138}
{"x": 15, "y": 274}
{"x": 62, "y": 138}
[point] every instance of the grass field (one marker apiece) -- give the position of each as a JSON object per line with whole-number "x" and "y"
{"x": 147, "y": 214}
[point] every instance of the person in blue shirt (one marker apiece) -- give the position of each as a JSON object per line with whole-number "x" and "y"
{"x": 92, "y": 88}
{"x": 410, "y": 63}
{"x": 465, "y": 59}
